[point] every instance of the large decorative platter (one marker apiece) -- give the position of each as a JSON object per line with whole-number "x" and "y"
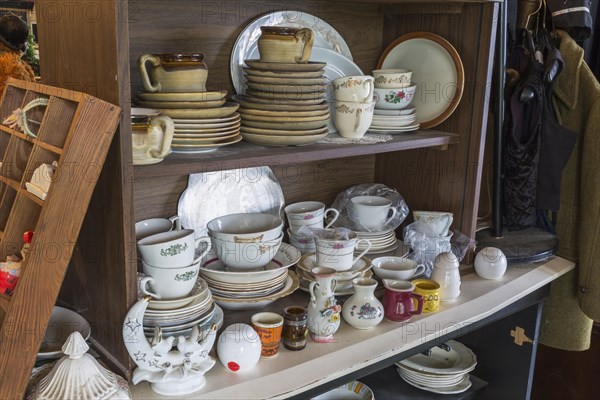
{"x": 214, "y": 194}
{"x": 459, "y": 360}
{"x": 437, "y": 71}
{"x": 246, "y": 45}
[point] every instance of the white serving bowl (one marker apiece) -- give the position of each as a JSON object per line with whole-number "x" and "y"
{"x": 397, "y": 268}
{"x": 394, "y": 98}
{"x": 246, "y": 256}
{"x": 247, "y": 227}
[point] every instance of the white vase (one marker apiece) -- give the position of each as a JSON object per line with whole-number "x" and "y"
{"x": 362, "y": 310}
{"x": 323, "y": 310}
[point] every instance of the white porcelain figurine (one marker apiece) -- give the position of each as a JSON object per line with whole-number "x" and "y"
{"x": 170, "y": 372}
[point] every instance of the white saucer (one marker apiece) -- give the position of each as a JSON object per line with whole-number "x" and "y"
{"x": 460, "y": 387}
{"x": 309, "y": 261}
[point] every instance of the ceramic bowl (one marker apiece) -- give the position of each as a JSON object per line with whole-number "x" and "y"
{"x": 396, "y": 268}
{"x": 353, "y": 390}
{"x": 305, "y": 244}
{"x": 490, "y": 263}
{"x": 62, "y": 323}
{"x": 246, "y": 227}
{"x": 394, "y": 98}
{"x": 392, "y": 78}
{"x": 246, "y": 256}
{"x": 215, "y": 269}
{"x": 239, "y": 347}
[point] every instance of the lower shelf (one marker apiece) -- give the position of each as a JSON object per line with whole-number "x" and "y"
{"x": 387, "y": 384}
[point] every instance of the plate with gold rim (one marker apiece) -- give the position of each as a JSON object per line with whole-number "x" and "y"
{"x": 181, "y": 113}
{"x": 181, "y": 104}
{"x": 287, "y": 88}
{"x": 284, "y": 74}
{"x": 193, "y": 96}
{"x": 283, "y": 118}
{"x": 269, "y": 113}
{"x": 252, "y": 103}
{"x": 286, "y": 81}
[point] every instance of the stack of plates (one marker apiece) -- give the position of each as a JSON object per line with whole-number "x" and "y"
{"x": 443, "y": 371}
{"x": 284, "y": 103}
{"x": 394, "y": 121}
{"x": 246, "y": 290}
{"x": 177, "y": 317}
{"x": 381, "y": 242}
{"x": 360, "y": 269}
{"x": 204, "y": 121}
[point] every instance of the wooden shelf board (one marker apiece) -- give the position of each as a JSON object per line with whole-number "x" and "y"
{"x": 243, "y": 154}
{"x": 46, "y": 146}
{"x": 31, "y": 197}
{"x": 4, "y": 302}
{"x": 12, "y": 183}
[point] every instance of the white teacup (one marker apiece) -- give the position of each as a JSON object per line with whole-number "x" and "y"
{"x": 352, "y": 119}
{"x": 397, "y": 268}
{"x": 439, "y": 221}
{"x": 354, "y": 88}
{"x": 169, "y": 283}
{"x": 152, "y": 226}
{"x": 174, "y": 249}
{"x": 339, "y": 254}
{"x": 309, "y": 213}
{"x": 373, "y": 211}
{"x": 305, "y": 244}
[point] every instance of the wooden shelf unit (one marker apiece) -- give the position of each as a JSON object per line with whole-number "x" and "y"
{"x": 102, "y": 60}
{"x": 56, "y": 221}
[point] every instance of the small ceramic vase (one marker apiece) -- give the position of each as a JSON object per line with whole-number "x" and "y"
{"x": 446, "y": 274}
{"x": 362, "y": 310}
{"x": 323, "y": 310}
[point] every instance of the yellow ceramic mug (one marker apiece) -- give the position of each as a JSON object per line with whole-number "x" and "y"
{"x": 430, "y": 290}
{"x": 280, "y": 44}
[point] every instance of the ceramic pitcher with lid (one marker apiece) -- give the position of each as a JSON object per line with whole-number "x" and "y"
{"x": 323, "y": 310}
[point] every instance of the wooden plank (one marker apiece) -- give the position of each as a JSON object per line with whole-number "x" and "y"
{"x": 10, "y": 182}
{"x": 56, "y": 232}
{"x": 244, "y": 154}
{"x": 4, "y": 302}
{"x": 32, "y": 197}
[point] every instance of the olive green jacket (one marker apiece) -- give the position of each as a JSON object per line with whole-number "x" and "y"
{"x": 575, "y": 298}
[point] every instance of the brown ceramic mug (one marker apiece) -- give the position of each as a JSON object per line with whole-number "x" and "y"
{"x": 173, "y": 72}
{"x": 280, "y": 44}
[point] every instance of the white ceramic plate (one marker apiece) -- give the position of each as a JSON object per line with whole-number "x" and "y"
{"x": 246, "y": 46}
{"x": 286, "y": 256}
{"x": 354, "y": 390}
{"x": 62, "y": 323}
{"x": 203, "y": 148}
{"x": 459, "y": 360}
{"x": 309, "y": 261}
{"x": 291, "y": 284}
{"x": 242, "y": 287}
{"x": 217, "y": 318}
{"x": 209, "y": 113}
{"x": 437, "y": 70}
{"x": 196, "y": 96}
{"x": 198, "y": 321}
{"x": 410, "y": 110}
{"x": 427, "y": 380}
{"x": 202, "y": 121}
{"x": 462, "y": 386}
{"x": 249, "y": 190}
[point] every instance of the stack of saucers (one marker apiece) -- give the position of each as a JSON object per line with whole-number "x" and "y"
{"x": 177, "y": 317}
{"x": 445, "y": 370}
{"x": 251, "y": 289}
{"x": 284, "y": 104}
{"x": 393, "y": 94}
{"x": 362, "y": 268}
{"x": 381, "y": 242}
{"x": 394, "y": 121}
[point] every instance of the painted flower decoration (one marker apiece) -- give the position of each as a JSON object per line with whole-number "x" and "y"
{"x": 309, "y": 216}
{"x": 338, "y": 246}
{"x": 395, "y": 97}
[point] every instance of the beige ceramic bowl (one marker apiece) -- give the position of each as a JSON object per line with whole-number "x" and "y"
{"x": 392, "y": 78}
{"x": 246, "y": 227}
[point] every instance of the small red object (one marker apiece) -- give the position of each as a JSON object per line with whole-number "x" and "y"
{"x": 233, "y": 366}
{"x": 28, "y": 237}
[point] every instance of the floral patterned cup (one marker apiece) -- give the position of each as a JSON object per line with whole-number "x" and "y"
{"x": 169, "y": 283}
{"x": 173, "y": 249}
{"x": 309, "y": 213}
{"x": 339, "y": 254}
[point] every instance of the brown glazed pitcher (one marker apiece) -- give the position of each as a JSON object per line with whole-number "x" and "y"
{"x": 173, "y": 72}
{"x": 280, "y": 44}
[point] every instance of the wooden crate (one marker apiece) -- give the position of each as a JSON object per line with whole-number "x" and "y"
{"x": 75, "y": 130}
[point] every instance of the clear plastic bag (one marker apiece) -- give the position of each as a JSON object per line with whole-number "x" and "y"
{"x": 425, "y": 245}
{"x": 349, "y": 217}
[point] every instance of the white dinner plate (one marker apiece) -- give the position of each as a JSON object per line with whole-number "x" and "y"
{"x": 246, "y": 45}
{"x": 437, "y": 71}
{"x": 460, "y": 359}
{"x": 460, "y": 387}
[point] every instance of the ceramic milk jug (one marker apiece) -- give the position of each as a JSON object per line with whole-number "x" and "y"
{"x": 151, "y": 141}
{"x": 446, "y": 274}
{"x": 323, "y": 310}
{"x": 362, "y": 310}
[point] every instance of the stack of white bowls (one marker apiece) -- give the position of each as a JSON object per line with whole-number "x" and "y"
{"x": 444, "y": 370}
{"x": 245, "y": 241}
{"x": 394, "y": 92}
{"x": 354, "y": 105}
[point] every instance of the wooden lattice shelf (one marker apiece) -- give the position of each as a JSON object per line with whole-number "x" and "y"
{"x": 75, "y": 131}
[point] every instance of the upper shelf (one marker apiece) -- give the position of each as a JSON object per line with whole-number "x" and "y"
{"x": 243, "y": 154}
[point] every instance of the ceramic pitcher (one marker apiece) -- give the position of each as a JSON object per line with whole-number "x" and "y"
{"x": 323, "y": 310}
{"x": 282, "y": 44}
{"x": 362, "y": 310}
{"x": 151, "y": 142}
{"x": 176, "y": 72}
